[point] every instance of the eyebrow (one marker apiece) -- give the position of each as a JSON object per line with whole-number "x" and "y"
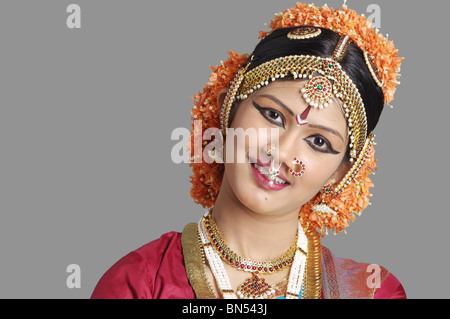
{"x": 325, "y": 128}
{"x": 273, "y": 98}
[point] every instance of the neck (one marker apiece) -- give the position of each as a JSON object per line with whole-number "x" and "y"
{"x": 252, "y": 235}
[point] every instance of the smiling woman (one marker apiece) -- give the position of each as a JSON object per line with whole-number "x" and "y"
{"x": 315, "y": 82}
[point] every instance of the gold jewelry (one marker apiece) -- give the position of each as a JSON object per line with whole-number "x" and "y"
{"x": 323, "y": 208}
{"x": 255, "y": 288}
{"x": 269, "y": 151}
{"x": 318, "y": 92}
{"x": 356, "y": 166}
{"x": 304, "y": 66}
{"x": 313, "y": 288}
{"x": 302, "y": 166}
{"x": 296, "y": 288}
{"x": 341, "y": 48}
{"x": 373, "y": 70}
{"x": 345, "y": 21}
{"x": 206, "y": 178}
{"x": 303, "y": 33}
{"x": 231, "y": 258}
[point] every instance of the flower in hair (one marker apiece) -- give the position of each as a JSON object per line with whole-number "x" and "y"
{"x": 347, "y": 22}
{"x": 349, "y": 203}
{"x": 207, "y": 178}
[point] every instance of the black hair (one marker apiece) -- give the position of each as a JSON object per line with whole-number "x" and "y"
{"x": 277, "y": 44}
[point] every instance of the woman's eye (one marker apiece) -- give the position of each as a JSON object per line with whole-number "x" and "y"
{"x": 320, "y": 144}
{"x": 274, "y": 115}
{"x": 319, "y": 141}
{"x": 271, "y": 115}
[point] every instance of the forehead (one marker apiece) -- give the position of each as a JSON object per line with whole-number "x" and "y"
{"x": 289, "y": 93}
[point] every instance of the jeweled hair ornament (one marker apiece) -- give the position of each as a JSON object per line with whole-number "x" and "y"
{"x": 303, "y": 33}
{"x": 347, "y": 22}
{"x": 341, "y": 48}
{"x": 318, "y": 92}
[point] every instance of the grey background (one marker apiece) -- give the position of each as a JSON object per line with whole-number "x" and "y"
{"x": 86, "y": 118}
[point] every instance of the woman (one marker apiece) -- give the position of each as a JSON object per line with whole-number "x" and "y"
{"x": 317, "y": 82}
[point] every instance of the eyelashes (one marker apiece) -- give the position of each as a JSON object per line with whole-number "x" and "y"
{"x": 271, "y": 115}
{"x": 320, "y": 144}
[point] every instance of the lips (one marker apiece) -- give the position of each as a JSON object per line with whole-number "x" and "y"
{"x": 259, "y": 172}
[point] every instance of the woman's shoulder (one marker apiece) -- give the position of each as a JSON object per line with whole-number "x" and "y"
{"x": 154, "y": 251}
{"x": 345, "y": 279}
{"x": 154, "y": 270}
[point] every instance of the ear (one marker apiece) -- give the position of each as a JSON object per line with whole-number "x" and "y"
{"x": 340, "y": 173}
{"x": 221, "y": 97}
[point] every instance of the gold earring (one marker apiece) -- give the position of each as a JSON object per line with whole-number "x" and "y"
{"x": 323, "y": 208}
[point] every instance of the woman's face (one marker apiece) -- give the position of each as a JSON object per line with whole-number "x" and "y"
{"x": 321, "y": 145}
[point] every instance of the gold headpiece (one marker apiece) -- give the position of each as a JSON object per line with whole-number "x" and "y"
{"x": 305, "y": 66}
{"x": 347, "y": 22}
{"x": 303, "y": 33}
{"x": 352, "y": 28}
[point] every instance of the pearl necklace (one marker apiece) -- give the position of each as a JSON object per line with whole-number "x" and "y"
{"x": 216, "y": 265}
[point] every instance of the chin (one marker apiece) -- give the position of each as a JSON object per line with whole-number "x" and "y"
{"x": 260, "y": 201}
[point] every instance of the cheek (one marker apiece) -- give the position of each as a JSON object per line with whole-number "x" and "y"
{"x": 247, "y": 137}
{"x": 318, "y": 173}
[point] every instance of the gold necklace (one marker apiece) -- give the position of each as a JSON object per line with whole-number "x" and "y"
{"x": 244, "y": 264}
{"x": 254, "y": 287}
{"x": 195, "y": 262}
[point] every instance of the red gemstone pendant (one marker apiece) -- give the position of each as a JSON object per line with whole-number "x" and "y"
{"x": 255, "y": 288}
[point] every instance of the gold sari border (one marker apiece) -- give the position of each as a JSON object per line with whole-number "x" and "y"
{"x": 193, "y": 262}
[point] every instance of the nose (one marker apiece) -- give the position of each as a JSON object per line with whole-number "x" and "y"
{"x": 289, "y": 154}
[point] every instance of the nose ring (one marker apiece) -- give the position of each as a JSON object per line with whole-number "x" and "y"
{"x": 269, "y": 151}
{"x": 273, "y": 170}
{"x": 299, "y": 172}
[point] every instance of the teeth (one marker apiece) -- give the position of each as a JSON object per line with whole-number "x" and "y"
{"x": 265, "y": 171}
{"x": 279, "y": 180}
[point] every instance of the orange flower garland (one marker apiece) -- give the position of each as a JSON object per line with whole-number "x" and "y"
{"x": 348, "y": 22}
{"x": 207, "y": 178}
{"x": 350, "y": 202}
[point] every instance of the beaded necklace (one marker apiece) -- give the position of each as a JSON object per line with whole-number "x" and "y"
{"x": 254, "y": 287}
{"x": 244, "y": 264}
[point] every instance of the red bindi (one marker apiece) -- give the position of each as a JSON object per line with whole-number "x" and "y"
{"x": 301, "y": 119}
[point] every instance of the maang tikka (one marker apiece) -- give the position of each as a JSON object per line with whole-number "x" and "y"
{"x": 318, "y": 92}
